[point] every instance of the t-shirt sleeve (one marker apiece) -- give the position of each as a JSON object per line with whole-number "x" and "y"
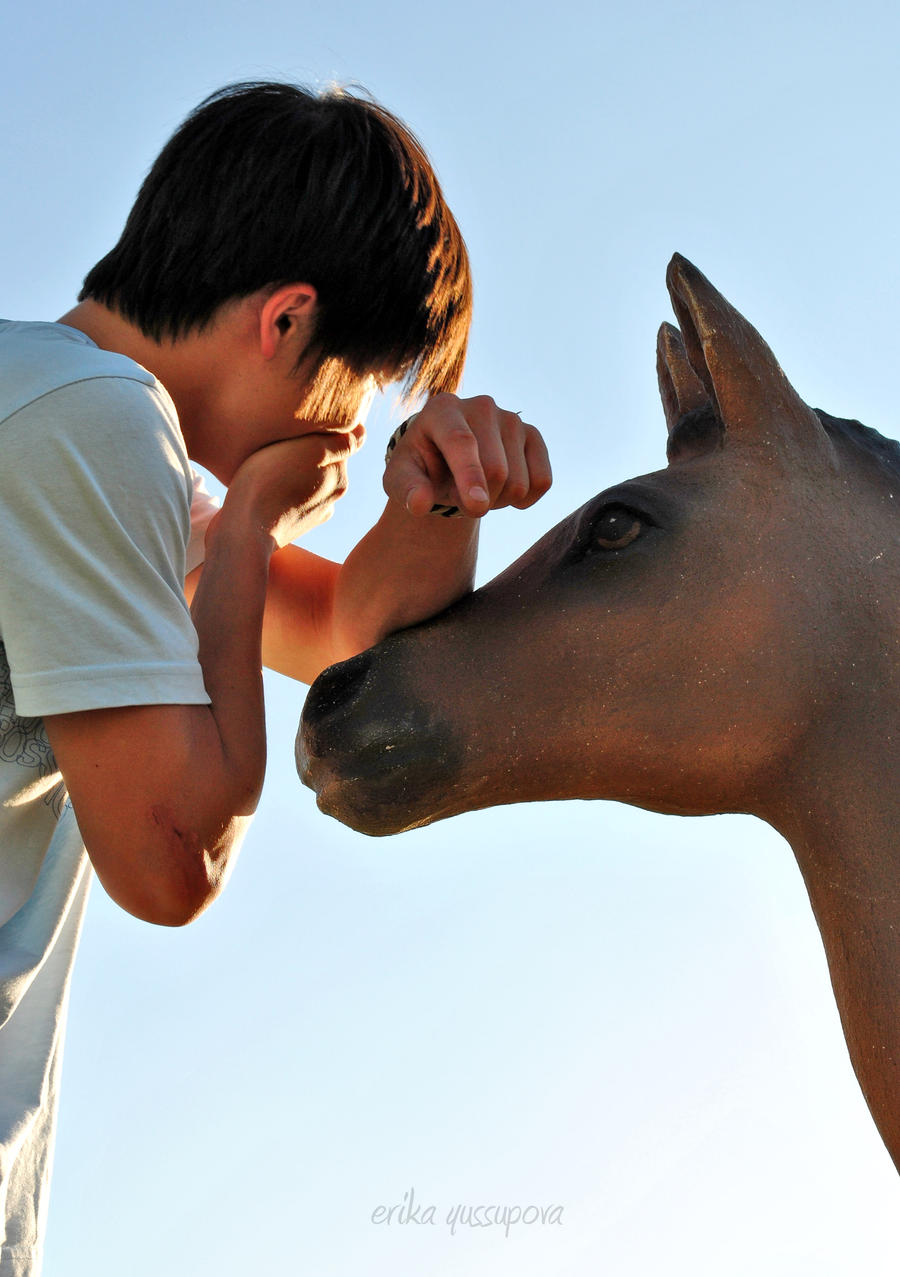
{"x": 95, "y": 495}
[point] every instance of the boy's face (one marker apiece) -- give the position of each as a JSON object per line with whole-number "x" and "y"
{"x": 263, "y": 402}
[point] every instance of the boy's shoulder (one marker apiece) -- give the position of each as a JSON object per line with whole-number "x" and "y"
{"x": 37, "y": 359}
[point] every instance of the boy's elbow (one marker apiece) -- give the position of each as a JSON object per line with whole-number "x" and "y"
{"x": 163, "y": 901}
{"x": 171, "y": 881}
{"x": 172, "y": 908}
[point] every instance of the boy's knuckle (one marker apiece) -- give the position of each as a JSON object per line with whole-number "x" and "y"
{"x": 442, "y": 402}
{"x": 458, "y": 434}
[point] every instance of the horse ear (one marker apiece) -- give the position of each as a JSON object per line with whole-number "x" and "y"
{"x": 693, "y": 423}
{"x": 738, "y": 372}
{"x": 680, "y": 389}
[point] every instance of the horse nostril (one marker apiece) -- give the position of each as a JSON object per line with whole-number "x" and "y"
{"x": 334, "y": 689}
{"x": 335, "y": 686}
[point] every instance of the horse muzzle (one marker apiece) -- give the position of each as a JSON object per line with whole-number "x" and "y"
{"x": 377, "y": 758}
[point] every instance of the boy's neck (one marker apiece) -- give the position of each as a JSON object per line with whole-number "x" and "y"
{"x": 168, "y": 360}
{"x": 111, "y": 331}
{"x": 193, "y": 369}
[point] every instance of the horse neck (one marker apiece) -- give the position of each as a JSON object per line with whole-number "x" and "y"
{"x": 840, "y": 811}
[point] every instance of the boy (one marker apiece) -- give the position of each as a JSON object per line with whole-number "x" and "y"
{"x": 286, "y": 255}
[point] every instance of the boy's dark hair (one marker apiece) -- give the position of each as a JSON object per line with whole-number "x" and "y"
{"x": 267, "y": 184}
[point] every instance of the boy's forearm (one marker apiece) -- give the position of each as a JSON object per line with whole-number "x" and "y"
{"x": 228, "y": 754}
{"x": 403, "y": 571}
{"x": 227, "y": 611}
{"x": 464, "y": 453}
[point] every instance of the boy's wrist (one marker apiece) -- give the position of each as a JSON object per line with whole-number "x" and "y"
{"x": 235, "y": 529}
{"x": 437, "y": 531}
{"x": 445, "y": 511}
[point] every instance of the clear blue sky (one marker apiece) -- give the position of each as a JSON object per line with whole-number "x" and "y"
{"x": 580, "y": 1005}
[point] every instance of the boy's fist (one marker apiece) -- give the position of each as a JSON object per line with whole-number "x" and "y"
{"x": 287, "y": 488}
{"x": 467, "y": 453}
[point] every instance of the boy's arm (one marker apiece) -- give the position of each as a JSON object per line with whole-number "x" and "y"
{"x": 162, "y": 793}
{"x": 412, "y": 564}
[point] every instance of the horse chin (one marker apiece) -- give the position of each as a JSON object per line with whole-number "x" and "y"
{"x": 370, "y": 798}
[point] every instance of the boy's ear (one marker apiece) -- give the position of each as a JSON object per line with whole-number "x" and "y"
{"x": 287, "y": 316}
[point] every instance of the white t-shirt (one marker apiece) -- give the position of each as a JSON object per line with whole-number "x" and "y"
{"x": 95, "y": 540}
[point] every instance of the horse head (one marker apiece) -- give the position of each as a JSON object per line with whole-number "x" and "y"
{"x": 720, "y": 635}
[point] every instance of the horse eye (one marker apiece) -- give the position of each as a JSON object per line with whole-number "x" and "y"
{"x": 615, "y": 527}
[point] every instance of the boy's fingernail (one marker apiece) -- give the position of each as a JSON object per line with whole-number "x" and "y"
{"x": 478, "y": 493}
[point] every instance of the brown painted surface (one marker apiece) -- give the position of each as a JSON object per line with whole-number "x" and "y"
{"x": 720, "y": 636}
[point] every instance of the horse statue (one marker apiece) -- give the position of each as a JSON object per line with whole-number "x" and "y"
{"x": 720, "y": 636}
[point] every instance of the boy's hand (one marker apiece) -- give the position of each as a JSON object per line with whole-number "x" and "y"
{"x": 289, "y": 487}
{"x": 467, "y": 453}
